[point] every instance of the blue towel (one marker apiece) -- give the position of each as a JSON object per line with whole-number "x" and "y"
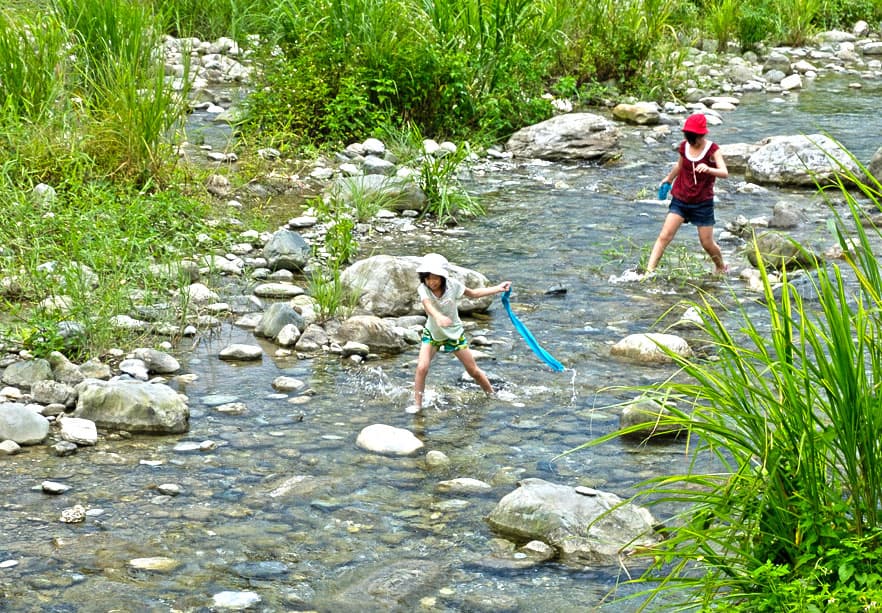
{"x": 663, "y": 190}
{"x": 528, "y": 336}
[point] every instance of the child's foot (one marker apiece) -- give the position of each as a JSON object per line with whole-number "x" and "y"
{"x": 721, "y": 272}
{"x": 413, "y": 409}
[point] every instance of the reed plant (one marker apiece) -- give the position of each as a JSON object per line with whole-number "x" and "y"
{"x": 31, "y": 67}
{"x": 781, "y": 508}
{"x": 332, "y": 298}
{"x": 128, "y": 106}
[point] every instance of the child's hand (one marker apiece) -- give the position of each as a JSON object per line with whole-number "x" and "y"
{"x": 504, "y": 286}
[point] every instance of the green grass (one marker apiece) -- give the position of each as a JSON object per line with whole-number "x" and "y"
{"x": 789, "y": 409}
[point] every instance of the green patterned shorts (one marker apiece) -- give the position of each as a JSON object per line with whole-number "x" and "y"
{"x": 447, "y": 345}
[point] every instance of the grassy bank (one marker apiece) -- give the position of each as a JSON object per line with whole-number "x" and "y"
{"x": 789, "y": 408}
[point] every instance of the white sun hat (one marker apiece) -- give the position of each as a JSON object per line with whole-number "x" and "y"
{"x": 434, "y": 263}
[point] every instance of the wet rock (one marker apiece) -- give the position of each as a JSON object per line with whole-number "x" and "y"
{"x": 133, "y": 406}
{"x": 157, "y": 361}
{"x": 234, "y": 601}
{"x": 9, "y": 448}
{"x": 53, "y": 487}
{"x": 647, "y": 347}
{"x": 378, "y": 334}
{"x": 463, "y": 485}
{"x": 799, "y": 160}
{"x": 388, "y": 440}
{"x": 73, "y": 515}
{"x": 573, "y": 136}
{"x": 391, "y": 587}
{"x": 437, "y": 459}
{"x": 779, "y": 251}
{"x": 78, "y": 431}
{"x": 238, "y": 351}
{"x": 588, "y": 528}
{"x": 22, "y": 425}
{"x": 52, "y": 392}
{"x": 276, "y": 317}
{"x": 159, "y": 564}
{"x": 63, "y": 449}
{"x": 650, "y": 418}
{"x": 25, "y": 373}
{"x": 286, "y": 250}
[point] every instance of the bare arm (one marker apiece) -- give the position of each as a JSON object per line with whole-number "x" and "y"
{"x": 669, "y": 178}
{"x": 480, "y": 292}
{"x": 433, "y": 312}
{"x": 720, "y": 172}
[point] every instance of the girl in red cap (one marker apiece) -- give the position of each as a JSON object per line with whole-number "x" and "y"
{"x": 692, "y": 195}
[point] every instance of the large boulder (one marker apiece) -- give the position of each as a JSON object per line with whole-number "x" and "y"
{"x": 387, "y": 285}
{"x": 799, "y": 160}
{"x": 573, "y": 136}
{"x": 134, "y": 406}
{"x": 21, "y": 424}
{"x": 587, "y": 527}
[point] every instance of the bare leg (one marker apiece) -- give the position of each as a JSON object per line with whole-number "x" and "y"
{"x": 427, "y": 352}
{"x": 706, "y": 237}
{"x": 667, "y": 234}
{"x": 468, "y": 360}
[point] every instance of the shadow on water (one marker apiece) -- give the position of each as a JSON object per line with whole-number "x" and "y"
{"x": 276, "y": 498}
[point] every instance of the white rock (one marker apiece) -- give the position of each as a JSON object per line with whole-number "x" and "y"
{"x": 388, "y": 440}
{"x": 78, "y": 430}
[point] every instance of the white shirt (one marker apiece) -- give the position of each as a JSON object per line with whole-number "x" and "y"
{"x": 446, "y": 304}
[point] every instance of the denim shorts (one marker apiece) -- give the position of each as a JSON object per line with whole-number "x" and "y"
{"x": 698, "y": 214}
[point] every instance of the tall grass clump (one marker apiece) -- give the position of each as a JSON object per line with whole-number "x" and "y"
{"x": 31, "y": 67}
{"x": 128, "y": 106}
{"x": 211, "y": 20}
{"x": 790, "y": 410}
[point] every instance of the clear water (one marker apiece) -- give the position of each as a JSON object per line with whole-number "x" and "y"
{"x": 364, "y": 532}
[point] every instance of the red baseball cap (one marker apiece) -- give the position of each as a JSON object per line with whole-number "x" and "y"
{"x": 696, "y": 124}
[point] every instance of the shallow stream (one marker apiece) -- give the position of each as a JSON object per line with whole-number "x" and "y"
{"x": 356, "y": 531}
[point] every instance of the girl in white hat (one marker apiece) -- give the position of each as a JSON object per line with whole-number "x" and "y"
{"x": 444, "y": 331}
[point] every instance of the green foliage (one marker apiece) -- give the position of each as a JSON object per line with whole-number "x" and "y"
{"x": 755, "y": 23}
{"x": 31, "y": 79}
{"x": 92, "y": 243}
{"x": 613, "y": 40}
{"x": 797, "y": 19}
{"x": 721, "y": 19}
{"x": 843, "y": 14}
{"x": 332, "y": 297}
{"x": 212, "y": 20}
{"x": 128, "y": 107}
{"x": 788, "y": 413}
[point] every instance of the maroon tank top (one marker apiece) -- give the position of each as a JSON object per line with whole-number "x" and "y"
{"x": 690, "y": 186}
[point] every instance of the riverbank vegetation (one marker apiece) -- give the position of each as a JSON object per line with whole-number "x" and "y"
{"x": 789, "y": 409}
